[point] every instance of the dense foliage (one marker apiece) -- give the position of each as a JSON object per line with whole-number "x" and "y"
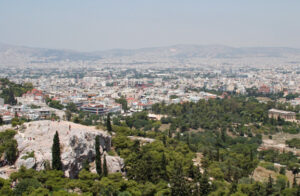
{"x": 10, "y": 90}
{"x": 8, "y": 147}
{"x": 293, "y": 143}
{"x": 204, "y": 148}
{"x": 238, "y": 114}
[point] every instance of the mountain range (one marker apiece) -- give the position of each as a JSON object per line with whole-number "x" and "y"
{"x": 11, "y": 54}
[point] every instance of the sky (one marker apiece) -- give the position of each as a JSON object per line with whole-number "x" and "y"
{"x": 93, "y": 25}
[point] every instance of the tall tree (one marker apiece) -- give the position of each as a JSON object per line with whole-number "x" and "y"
{"x": 204, "y": 184}
{"x": 11, "y": 97}
{"x": 105, "y": 171}
{"x": 108, "y": 123}
{"x": 98, "y": 156}
{"x": 179, "y": 183}
{"x": 56, "y": 159}
{"x": 164, "y": 166}
{"x": 269, "y": 188}
{"x": 1, "y": 120}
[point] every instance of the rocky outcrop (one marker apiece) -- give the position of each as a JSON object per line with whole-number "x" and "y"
{"x": 28, "y": 163}
{"x": 77, "y": 144}
{"x": 114, "y": 164}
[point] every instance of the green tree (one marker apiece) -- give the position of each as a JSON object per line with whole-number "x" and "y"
{"x": 72, "y": 107}
{"x": 179, "y": 183}
{"x": 98, "y": 156}
{"x": 105, "y": 171}
{"x": 11, "y": 98}
{"x": 204, "y": 184}
{"x": 68, "y": 115}
{"x": 108, "y": 123}
{"x": 25, "y": 186}
{"x": 86, "y": 165}
{"x": 56, "y": 159}
{"x": 123, "y": 102}
{"x": 269, "y": 188}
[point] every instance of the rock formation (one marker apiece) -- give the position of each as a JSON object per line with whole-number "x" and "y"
{"x": 77, "y": 144}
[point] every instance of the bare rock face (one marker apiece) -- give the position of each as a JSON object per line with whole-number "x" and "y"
{"x": 114, "y": 164}
{"x": 77, "y": 144}
{"x": 28, "y": 163}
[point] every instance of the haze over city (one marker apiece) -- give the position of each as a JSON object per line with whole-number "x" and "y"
{"x": 131, "y": 24}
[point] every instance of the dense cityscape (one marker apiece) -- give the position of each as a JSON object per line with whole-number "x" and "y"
{"x": 149, "y": 98}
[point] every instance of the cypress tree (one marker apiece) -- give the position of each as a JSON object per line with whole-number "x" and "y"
{"x": 204, "y": 184}
{"x": 294, "y": 182}
{"x": 269, "y": 188}
{"x": 11, "y": 97}
{"x": 191, "y": 171}
{"x": 164, "y": 166}
{"x": 164, "y": 139}
{"x": 86, "y": 165}
{"x": 98, "y": 156}
{"x": 196, "y": 181}
{"x": 105, "y": 171}
{"x": 108, "y": 123}
{"x": 1, "y": 120}
{"x": 56, "y": 160}
{"x": 170, "y": 133}
{"x": 179, "y": 184}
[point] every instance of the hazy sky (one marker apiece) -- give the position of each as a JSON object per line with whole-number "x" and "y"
{"x": 89, "y": 25}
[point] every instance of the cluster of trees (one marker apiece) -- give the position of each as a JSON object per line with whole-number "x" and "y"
{"x": 218, "y": 159}
{"x": 238, "y": 114}
{"x": 163, "y": 167}
{"x": 8, "y": 147}
{"x": 287, "y": 159}
{"x": 293, "y": 143}
{"x": 10, "y": 90}
{"x": 123, "y": 102}
{"x": 140, "y": 120}
{"x": 54, "y": 104}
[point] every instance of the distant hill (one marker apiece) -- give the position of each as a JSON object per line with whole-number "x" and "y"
{"x": 21, "y": 55}
{"x": 207, "y": 51}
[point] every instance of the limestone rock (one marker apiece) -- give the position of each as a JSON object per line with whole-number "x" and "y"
{"x": 114, "y": 164}
{"x": 77, "y": 144}
{"x": 28, "y": 163}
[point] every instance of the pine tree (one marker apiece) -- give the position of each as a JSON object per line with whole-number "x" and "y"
{"x": 105, "y": 171}
{"x": 56, "y": 160}
{"x": 108, "y": 123}
{"x": 98, "y": 156}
